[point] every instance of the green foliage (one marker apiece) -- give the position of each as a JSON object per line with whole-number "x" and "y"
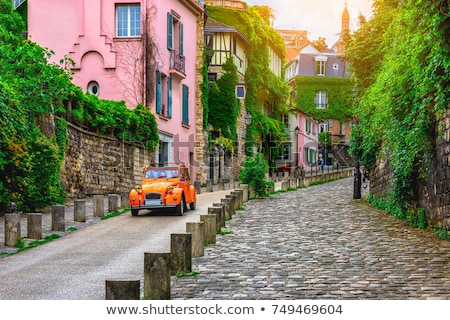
{"x": 339, "y": 93}
{"x": 254, "y": 174}
{"x": 225, "y": 143}
{"x": 400, "y": 59}
{"x": 223, "y": 106}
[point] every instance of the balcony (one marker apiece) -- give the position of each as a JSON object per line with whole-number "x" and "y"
{"x": 177, "y": 64}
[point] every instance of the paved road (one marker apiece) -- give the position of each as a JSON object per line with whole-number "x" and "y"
{"x": 319, "y": 243}
{"x": 76, "y": 266}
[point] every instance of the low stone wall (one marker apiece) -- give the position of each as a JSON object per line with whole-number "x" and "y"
{"x": 95, "y": 164}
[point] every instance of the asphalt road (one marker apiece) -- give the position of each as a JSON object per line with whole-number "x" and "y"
{"x": 76, "y": 266}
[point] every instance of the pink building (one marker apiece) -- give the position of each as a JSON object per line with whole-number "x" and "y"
{"x": 141, "y": 51}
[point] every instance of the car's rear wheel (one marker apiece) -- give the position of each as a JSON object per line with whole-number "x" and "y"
{"x": 134, "y": 212}
{"x": 192, "y": 205}
{"x": 181, "y": 207}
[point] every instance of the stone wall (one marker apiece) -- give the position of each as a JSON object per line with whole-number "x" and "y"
{"x": 96, "y": 164}
{"x": 433, "y": 192}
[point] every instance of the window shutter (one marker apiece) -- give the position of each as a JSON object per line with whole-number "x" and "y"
{"x": 169, "y": 31}
{"x": 158, "y": 92}
{"x": 181, "y": 39}
{"x": 185, "y": 104}
{"x": 169, "y": 97}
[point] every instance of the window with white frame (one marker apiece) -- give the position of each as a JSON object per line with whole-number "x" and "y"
{"x": 285, "y": 152}
{"x": 321, "y": 99}
{"x": 321, "y": 63}
{"x": 128, "y": 20}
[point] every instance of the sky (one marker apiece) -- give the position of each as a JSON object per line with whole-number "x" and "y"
{"x": 321, "y": 18}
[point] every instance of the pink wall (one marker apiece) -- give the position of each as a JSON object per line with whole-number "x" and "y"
{"x": 306, "y": 139}
{"x": 84, "y": 30}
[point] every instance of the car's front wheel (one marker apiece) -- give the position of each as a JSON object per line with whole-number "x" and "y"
{"x": 192, "y": 205}
{"x": 134, "y": 212}
{"x": 180, "y": 207}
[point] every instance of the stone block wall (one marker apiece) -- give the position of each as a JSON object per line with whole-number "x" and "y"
{"x": 96, "y": 164}
{"x": 433, "y": 192}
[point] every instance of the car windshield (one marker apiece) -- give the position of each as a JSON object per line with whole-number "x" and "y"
{"x": 161, "y": 173}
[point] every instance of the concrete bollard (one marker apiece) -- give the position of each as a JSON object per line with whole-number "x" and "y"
{"x": 228, "y": 209}
{"x": 284, "y": 185}
{"x": 122, "y": 289}
{"x": 125, "y": 199}
{"x": 217, "y": 213}
{"x": 233, "y": 203}
{"x": 251, "y": 192}
{"x": 285, "y": 175}
{"x": 58, "y": 218}
{"x": 209, "y": 221}
{"x": 99, "y": 206}
{"x": 198, "y": 186}
{"x": 222, "y": 206}
{"x": 244, "y": 188}
{"x": 209, "y": 186}
{"x": 221, "y": 184}
{"x": 274, "y": 176}
{"x": 79, "y": 211}
{"x": 293, "y": 183}
{"x": 156, "y": 276}
{"x": 113, "y": 202}
{"x": 239, "y": 197}
{"x": 197, "y": 229}
{"x": 180, "y": 253}
{"x": 232, "y": 183}
{"x": 12, "y": 229}
{"x": 34, "y": 226}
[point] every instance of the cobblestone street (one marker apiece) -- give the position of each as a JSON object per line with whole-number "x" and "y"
{"x": 319, "y": 243}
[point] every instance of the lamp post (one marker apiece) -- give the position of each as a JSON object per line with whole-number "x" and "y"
{"x": 357, "y": 182}
{"x": 297, "y": 132}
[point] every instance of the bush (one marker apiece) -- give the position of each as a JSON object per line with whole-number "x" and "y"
{"x": 254, "y": 174}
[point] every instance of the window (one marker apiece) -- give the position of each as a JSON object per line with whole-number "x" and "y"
{"x": 185, "y": 106}
{"x": 175, "y": 33}
{"x": 285, "y": 152}
{"x": 310, "y": 155}
{"x": 308, "y": 126}
{"x": 320, "y": 68}
{"x": 128, "y": 19}
{"x": 321, "y": 99}
{"x": 93, "y": 88}
{"x": 163, "y": 94}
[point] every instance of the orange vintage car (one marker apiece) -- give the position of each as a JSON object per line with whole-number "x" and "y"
{"x": 166, "y": 187}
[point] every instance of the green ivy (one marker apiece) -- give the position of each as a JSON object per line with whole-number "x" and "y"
{"x": 339, "y": 93}
{"x": 254, "y": 174}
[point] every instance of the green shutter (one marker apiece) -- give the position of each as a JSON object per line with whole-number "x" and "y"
{"x": 181, "y": 39}
{"x": 169, "y": 97}
{"x": 169, "y": 31}
{"x": 158, "y": 92}
{"x": 185, "y": 104}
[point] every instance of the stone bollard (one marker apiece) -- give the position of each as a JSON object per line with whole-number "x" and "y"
{"x": 58, "y": 218}
{"x": 274, "y": 176}
{"x": 221, "y": 184}
{"x": 125, "y": 199}
{"x": 222, "y": 206}
{"x": 197, "y": 229}
{"x": 232, "y": 183}
{"x": 180, "y": 253}
{"x": 209, "y": 186}
{"x": 156, "y": 276}
{"x": 122, "y": 289}
{"x": 113, "y": 202}
{"x": 228, "y": 209}
{"x": 280, "y": 176}
{"x": 244, "y": 188}
{"x": 99, "y": 206}
{"x": 34, "y": 226}
{"x": 198, "y": 186}
{"x": 217, "y": 213}
{"x": 285, "y": 175}
{"x": 12, "y": 229}
{"x": 284, "y": 185}
{"x": 240, "y": 197}
{"x": 209, "y": 221}
{"x": 251, "y": 192}
{"x": 79, "y": 211}
{"x": 233, "y": 203}
{"x": 293, "y": 183}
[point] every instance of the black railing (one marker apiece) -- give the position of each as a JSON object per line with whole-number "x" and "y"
{"x": 177, "y": 61}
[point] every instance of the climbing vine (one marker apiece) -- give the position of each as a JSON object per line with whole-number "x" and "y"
{"x": 407, "y": 89}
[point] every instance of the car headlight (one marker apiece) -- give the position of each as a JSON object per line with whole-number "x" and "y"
{"x": 170, "y": 189}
